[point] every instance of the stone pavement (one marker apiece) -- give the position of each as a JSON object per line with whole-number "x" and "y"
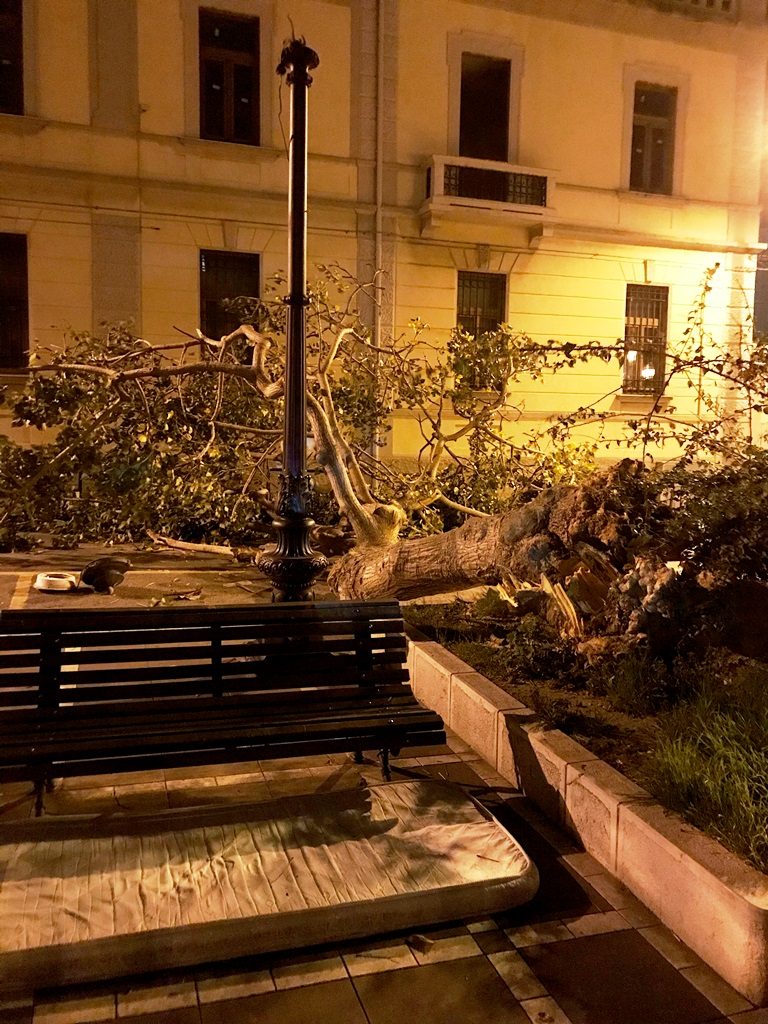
{"x": 584, "y": 951}
{"x": 156, "y": 575}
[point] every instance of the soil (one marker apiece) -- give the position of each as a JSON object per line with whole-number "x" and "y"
{"x": 620, "y": 739}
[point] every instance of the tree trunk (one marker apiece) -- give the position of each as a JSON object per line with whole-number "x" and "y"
{"x": 524, "y": 542}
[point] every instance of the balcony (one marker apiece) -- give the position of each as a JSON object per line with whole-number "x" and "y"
{"x": 723, "y": 10}
{"x": 459, "y": 188}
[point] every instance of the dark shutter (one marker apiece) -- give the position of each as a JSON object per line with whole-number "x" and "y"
{"x": 224, "y": 275}
{"x": 11, "y": 57}
{"x": 653, "y": 138}
{"x": 14, "y": 305}
{"x": 484, "y": 113}
{"x": 229, "y": 78}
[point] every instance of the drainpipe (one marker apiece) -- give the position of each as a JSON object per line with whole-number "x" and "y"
{"x": 379, "y": 199}
{"x": 378, "y": 258}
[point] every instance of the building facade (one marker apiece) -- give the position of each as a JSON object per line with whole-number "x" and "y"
{"x": 573, "y": 170}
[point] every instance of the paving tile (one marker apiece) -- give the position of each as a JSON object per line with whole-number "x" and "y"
{"x": 596, "y": 924}
{"x": 536, "y": 934}
{"x": 584, "y": 863}
{"x": 467, "y": 991}
{"x": 717, "y": 991}
{"x": 670, "y": 947}
{"x": 750, "y": 1017}
{"x": 215, "y": 988}
{"x": 517, "y": 975}
{"x": 453, "y": 947}
{"x": 639, "y": 917}
{"x": 334, "y": 1002}
{"x": 487, "y": 924}
{"x": 456, "y": 743}
{"x": 382, "y": 958}
{"x": 296, "y": 764}
{"x": 610, "y": 888}
{"x": 176, "y": 785}
{"x": 75, "y": 1009}
{"x": 306, "y": 971}
{"x": 233, "y": 792}
{"x": 493, "y": 942}
{"x": 616, "y": 977}
{"x": 146, "y": 796}
{"x": 438, "y": 750}
{"x": 242, "y": 768}
{"x": 460, "y": 772}
{"x": 115, "y": 779}
{"x": 181, "y": 1015}
{"x": 199, "y": 771}
{"x": 100, "y": 800}
{"x": 545, "y": 1011}
{"x": 156, "y": 998}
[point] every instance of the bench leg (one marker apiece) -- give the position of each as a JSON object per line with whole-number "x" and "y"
{"x": 39, "y": 791}
{"x": 358, "y": 756}
{"x": 385, "y": 771}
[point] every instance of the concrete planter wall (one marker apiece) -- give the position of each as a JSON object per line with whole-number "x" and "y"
{"x": 710, "y": 898}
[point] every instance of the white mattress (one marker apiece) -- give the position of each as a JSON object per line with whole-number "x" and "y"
{"x": 97, "y": 897}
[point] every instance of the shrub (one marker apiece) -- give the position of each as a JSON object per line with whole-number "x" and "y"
{"x": 535, "y": 650}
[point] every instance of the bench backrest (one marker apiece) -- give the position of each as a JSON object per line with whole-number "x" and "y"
{"x": 63, "y": 656}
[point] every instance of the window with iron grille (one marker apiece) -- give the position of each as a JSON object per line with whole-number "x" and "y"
{"x": 653, "y": 138}
{"x": 645, "y": 339}
{"x": 480, "y": 310}
{"x": 484, "y": 107}
{"x": 11, "y": 57}
{"x": 229, "y": 77}
{"x": 14, "y": 304}
{"x": 225, "y": 275}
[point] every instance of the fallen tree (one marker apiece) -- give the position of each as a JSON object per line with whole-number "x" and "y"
{"x": 184, "y": 440}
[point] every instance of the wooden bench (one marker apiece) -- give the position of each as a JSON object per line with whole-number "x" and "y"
{"x": 86, "y": 692}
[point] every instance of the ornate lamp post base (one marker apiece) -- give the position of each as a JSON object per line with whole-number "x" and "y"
{"x": 292, "y": 566}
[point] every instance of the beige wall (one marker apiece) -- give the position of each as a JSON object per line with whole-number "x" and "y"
{"x": 84, "y": 159}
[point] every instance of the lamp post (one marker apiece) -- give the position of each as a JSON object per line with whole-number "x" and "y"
{"x": 292, "y": 566}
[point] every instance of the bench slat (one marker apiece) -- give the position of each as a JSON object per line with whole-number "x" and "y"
{"x": 135, "y": 738}
{"x": 19, "y": 620}
{"x": 67, "y": 716}
{"x": 201, "y": 633}
{"x": 202, "y": 652}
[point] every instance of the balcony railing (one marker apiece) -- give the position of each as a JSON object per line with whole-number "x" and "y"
{"x": 456, "y": 183}
{"x": 718, "y": 9}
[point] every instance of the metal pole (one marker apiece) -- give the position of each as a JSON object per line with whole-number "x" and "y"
{"x": 293, "y": 566}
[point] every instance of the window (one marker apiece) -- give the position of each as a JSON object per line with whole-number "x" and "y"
{"x": 14, "y": 309}
{"x": 653, "y": 138}
{"x": 645, "y": 339}
{"x": 11, "y": 54}
{"x": 484, "y": 107}
{"x": 480, "y": 302}
{"x": 229, "y": 77}
{"x": 224, "y": 275}
{"x": 480, "y": 309}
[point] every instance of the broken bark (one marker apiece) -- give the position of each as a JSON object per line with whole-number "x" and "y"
{"x": 524, "y": 543}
